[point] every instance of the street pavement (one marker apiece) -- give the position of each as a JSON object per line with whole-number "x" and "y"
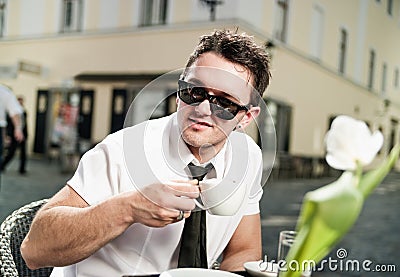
{"x": 374, "y": 237}
{"x": 43, "y": 179}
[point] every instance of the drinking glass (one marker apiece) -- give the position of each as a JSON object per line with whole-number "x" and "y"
{"x": 286, "y": 240}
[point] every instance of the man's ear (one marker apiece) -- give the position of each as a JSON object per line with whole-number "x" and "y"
{"x": 251, "y": 114}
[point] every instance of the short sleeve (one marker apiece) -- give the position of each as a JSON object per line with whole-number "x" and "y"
{"x": 256, "y": 191}
{"x": 98, "y": 173}
{"x": 13, "y": 107}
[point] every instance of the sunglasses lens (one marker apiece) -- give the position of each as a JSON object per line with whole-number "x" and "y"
{"x": 184, "y": 95}
{"x": 222, "y": 113}
{"x": 220, "y": 106}
{"x": 198, "y": 94}
{"x": 191, "y": 95}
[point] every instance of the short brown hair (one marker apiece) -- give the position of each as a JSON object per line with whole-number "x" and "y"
{"x": 239, "y": 49}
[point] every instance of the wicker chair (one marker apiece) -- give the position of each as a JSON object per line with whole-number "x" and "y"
{"x": 12, "y": 231}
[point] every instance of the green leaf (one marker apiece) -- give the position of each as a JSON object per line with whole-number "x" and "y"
{"x": 373, "y": 178}
{"x": 326, "y": 216}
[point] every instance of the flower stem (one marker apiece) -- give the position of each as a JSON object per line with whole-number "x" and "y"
{"x": 358, "y": 173}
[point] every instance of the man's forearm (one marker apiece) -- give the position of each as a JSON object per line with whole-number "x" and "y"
{"x": 17, "y": 122}
{"x": 66, "y": 230}
{"x": 64, "y": 235}
{"x": 235, "y": 261}
{"x": 245, "y": 244}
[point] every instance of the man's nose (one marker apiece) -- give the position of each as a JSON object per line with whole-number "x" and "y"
{"x": 204, "y": 108}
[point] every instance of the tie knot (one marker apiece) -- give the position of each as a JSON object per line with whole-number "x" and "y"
{"x": 199, "y": 172}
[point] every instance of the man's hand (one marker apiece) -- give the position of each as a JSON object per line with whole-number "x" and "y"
{"x": 17, "y": 122}
{"x": 158, "y": 205}
{"x": 18, "y": 135}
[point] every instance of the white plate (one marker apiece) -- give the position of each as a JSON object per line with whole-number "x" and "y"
{"x": 257, "y": 268}
{"x": 196, "y": 272}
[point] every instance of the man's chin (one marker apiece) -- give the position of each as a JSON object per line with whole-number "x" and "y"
{"x": 194, "y": 142}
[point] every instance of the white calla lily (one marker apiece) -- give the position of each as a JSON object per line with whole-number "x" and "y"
{"x": 350, "y": 142}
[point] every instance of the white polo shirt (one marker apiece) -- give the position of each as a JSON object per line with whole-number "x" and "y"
{"x": 8, "y": 104}
{"x": 117, "y": 165}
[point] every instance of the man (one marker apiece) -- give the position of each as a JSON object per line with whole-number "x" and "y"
{"x": 129, "y": 205}
{"x": 14, "y": 143}
{"x": 9, "y": 105}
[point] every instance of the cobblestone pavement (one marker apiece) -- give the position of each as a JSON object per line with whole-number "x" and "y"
{"x": 374, "y": 237}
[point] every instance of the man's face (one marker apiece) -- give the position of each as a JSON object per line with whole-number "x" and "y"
{"x": 198, "y": 125}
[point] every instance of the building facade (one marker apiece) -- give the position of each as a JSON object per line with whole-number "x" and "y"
{"x": 80, "y": 63}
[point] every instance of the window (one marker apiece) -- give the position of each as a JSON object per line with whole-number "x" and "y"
{"x": 384, "y": 73}
{"x": 3, "y": 6}
{"x": 342, "y": 50}
{"x": 390, "y": 7}
{"x": 396, "y": 78}
{"x": 393, "y": 131}
{"x": 282, "y": 117}
{"x": 154, "y": 12}
{"x": 380, "y": 129}
{"x": 281, "y": 20}
{"x": 317, "y": 32}
{"x": 371, "y": 69}
{"x": 72, "y": 16}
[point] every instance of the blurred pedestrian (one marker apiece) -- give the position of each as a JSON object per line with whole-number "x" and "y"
{"x": 14, "y": 143}
{"x": 9, "y": 105}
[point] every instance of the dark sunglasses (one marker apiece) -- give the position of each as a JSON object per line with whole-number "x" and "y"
{"x": 221, "y": 107}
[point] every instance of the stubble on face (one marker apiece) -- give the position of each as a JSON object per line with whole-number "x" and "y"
{"x": 200, "y": 137}
{"x": 212, "y": 136}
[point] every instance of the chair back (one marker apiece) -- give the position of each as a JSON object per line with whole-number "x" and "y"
{"x": 12, "y": 232}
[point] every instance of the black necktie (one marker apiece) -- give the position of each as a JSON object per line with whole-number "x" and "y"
{"x": 193, "y": 252}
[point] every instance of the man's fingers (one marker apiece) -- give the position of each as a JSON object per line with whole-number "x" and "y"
{"x": 193, "y": 182}
{"x": 185, "y": 189}
{"x": 178, "y": 201}
{"x": 180, "y": 216}
{"x": 184, "y": 204}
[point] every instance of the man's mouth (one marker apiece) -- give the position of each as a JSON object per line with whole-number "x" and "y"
{"x": 199, "y": 124}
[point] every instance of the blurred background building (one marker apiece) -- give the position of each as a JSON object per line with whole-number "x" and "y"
{"x": 80, "y": 63}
